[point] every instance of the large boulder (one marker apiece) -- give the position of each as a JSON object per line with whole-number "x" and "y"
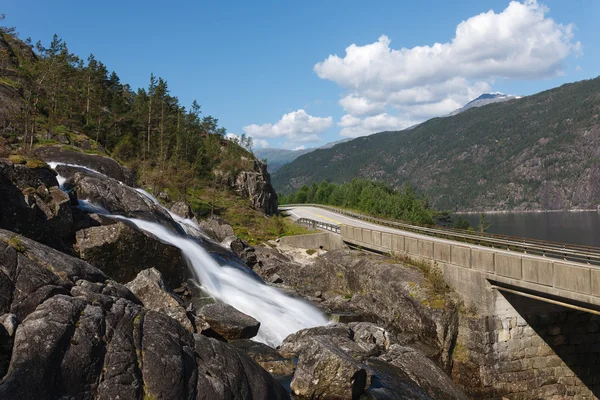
{"x": 31, "y": 208}
{"x": 228, "y": 322}
{"x": 149, "y": 287}
{"x": 182, "y": 209}
{"x": 267, "y": 357}
{"x": 256, "y": 185}
{"x": 81, "y": 335}
{"x": 120, "y": 199}
{"x": 216, "y": 229}
{"x": 122, "y": 251}
{"x": 104, "y": 165}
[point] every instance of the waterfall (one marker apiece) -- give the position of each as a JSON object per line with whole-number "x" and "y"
{"x": 279, "y": 315}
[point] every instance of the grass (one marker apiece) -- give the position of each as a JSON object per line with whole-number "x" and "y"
{"x": 248, "y": 223}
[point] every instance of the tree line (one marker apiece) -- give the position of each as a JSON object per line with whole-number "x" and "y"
{"x": 371, "y": 197}
{"x": 147, "y": 127}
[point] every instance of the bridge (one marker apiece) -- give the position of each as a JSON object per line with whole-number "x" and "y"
{"x": 511, "y": 282}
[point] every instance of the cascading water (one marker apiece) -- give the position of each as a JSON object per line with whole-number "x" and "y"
{"x": 279, "y": 315}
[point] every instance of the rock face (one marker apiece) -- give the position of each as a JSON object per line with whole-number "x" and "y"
{"x": 149, "y": 287}
{"x": 120, "y": 199}
{"x": 105, "y": 165}
{"x": 122, "y": 251}
{"x": 256, "y": 185}
{"x": 81, "y": 335}
{"x": 217, "y": 229}
{"x": 31, "y": 208}
{"x": 182, "y": 209}
{"x": 228, "y": 322}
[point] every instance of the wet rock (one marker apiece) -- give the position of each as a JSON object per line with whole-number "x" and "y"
{"x": 120, "y": 199}
{"x": 228, "y": 322}
{"x": 267, "y": 357}
{"x": 123, "y": 251}
{"x": 32, "y": 209}
{"x": 182, "y": 209}
{"x": 104, "y": 165}
{"x": 245, "y": 252}
{"x": 216, "y": 229}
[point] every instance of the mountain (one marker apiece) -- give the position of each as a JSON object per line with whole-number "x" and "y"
{"x": 484, "y": 99}
{"x": 277, "y": 158}
{"x": 536, "y": 152}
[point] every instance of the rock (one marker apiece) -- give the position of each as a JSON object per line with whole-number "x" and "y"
{"x": 182, "y": 209}
{"x": 423, "y": 372}
{"x": 32, "y": 209}
{"x": 216, "y": 229}
{"x": 275, "y": 279}
{"x": 47, "y": 176}
{"x": 368, "y": 334}
{"x": 256, "y": 185}
{"x": 123, "y": 251}
{"x": 120, "y": 199}
{"x": 245, "y": 252}
{"x": 82, "y": 335}
{"x": 228, "y": 322}
{"x": 104, "y": 165}
{"x": 267, "y": 357}
{"x": 149, "y": 287}
{"x": 324, "y": 371}
{"x": 164, "y": 196}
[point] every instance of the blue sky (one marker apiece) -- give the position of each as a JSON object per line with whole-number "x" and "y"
{"x": 284, "y": 73}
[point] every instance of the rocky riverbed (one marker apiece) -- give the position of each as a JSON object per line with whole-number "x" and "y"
{"x": 94, "y": 307}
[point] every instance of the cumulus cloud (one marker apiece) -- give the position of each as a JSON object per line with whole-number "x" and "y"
{"x": 256, "y": 143}
{"x": 354, "y": 127}
{"x": 296, "y": 126}
{"x": 520, "y": 42}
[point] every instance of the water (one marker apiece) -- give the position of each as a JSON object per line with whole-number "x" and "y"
{"x": 279, "y": 315}
{"x": 575, "y": 227}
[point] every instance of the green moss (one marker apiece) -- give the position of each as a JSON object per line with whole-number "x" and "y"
{"x": 460, "y": 353}
{"x": 438, "y": 304}
{"x": 36, "y": 163}
{"x": 348, "y": 295}
{"x": 16, "y": 243}
{"x": 17, "y": 159}
{"x": 310, "y": 252}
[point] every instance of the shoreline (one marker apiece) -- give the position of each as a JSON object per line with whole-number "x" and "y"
{"x": 526, "y": 211}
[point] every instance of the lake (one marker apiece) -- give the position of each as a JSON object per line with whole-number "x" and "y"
{"x": 579, "y": 227}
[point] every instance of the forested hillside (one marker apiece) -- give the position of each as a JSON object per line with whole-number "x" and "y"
{"x": 48, "y": 95}
{"x": 538, "y": 152}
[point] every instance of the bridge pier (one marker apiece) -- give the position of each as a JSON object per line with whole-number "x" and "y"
{"x": 528, "y": 349}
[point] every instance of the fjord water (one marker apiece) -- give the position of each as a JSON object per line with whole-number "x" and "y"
{"x": 279, "y": 315}
{"x": 575, "y": 227}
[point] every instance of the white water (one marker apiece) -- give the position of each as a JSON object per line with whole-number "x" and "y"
{"x": 279, "y": 315}
{"x": 61, "y": 179}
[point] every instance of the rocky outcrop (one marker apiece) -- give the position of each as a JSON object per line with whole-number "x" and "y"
{"x": 228, "y": 322}
{"x": 122, "y": 251}
{"x": 182, "y": 209}
{"x": 120, "y": 199}
{"x": 149, "y": 287}
{"x": 216, "y": 229}
{"x": 342, "y": 361}
{"x": 105, "y": 165}
{"x": 354, "y": 286}
{"x": 32, "y": 208}
{"x": 267, "y": 357}
{"x": 81, "y": 335}
{"x": 256, "y": 185}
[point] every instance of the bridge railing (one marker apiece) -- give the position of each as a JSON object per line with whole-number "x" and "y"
{"x": 319, "y": 225}
{"x": 579, "y": 253}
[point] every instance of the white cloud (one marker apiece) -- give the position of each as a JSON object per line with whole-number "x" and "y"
{"x": 578, "y": 68}
{"x": 353, "y": 126}
{"x": 296, "y": 126}
{"x": 520, "y": 42}
{"x": 300, "y": 147}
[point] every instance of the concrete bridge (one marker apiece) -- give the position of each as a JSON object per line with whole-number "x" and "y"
{"x": 537, "y": 332}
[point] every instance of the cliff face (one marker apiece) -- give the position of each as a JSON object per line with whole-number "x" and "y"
{"x": 256, "y": 185}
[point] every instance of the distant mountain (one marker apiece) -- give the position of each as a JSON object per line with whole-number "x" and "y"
{"x": 276, "y": 158}
{"x": 536, "y": 152}
{"x": 484, "y": 99}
